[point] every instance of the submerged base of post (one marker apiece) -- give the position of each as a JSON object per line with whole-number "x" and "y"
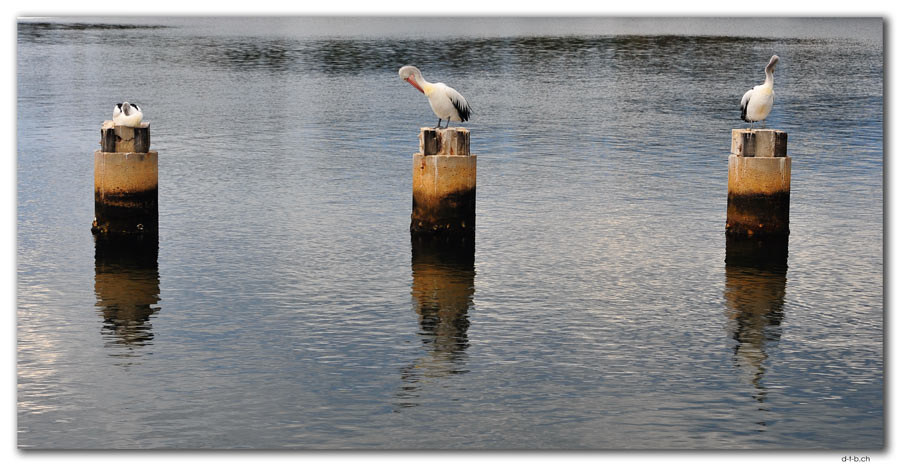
{"x": 764, "y": 253}
{"x": 125, "y": 193}
{"x": 444, "y": 177}
{"x": 759, "y": 184}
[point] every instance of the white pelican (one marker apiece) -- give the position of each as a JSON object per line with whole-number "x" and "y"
{"x": 757, "y": 102}
{"x": 125, "y": 114}
{"x": 445, "y": 102}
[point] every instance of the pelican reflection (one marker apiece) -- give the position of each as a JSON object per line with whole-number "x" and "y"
{"x": 755, "y": 278}
{"x": 443, "y": 283}
{"x": 126, "y": 283}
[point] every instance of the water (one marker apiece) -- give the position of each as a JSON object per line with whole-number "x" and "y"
{"x": 286, "y": 307}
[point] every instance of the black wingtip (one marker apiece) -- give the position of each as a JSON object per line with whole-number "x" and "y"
{"x": 463, "y": 111}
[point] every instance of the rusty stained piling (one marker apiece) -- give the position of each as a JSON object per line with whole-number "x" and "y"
{"x": 444, "y": 176}
{"x": 125, "y": 182}
{"x": 759, "y": 184}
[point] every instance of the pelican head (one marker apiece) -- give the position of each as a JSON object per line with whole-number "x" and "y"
{"x": 412, "y": 75}
{"x": 771, "y": 66}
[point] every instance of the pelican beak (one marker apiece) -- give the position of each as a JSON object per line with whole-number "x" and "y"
{"x": 412, "y": 81}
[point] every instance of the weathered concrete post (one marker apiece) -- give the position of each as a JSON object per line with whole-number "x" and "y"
{"x": 759, "y": 184}
{"x": 443, "y": 184}
{"x": 125, "y": 182}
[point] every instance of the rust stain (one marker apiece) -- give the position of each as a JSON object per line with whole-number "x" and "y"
{"x": 758, "y": 214}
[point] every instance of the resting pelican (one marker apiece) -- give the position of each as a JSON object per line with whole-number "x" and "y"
{"x": 125, "y": 114}
{"x": 445, "y": 102}
{"x": 757, "y": 102}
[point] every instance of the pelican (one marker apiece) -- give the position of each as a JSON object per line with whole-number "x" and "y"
{"x": 445, "y": 102}
{"x": 757, "y": 102}
{"x": 125, "y": 114}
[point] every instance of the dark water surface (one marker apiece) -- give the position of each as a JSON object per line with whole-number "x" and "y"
{"x": 284, "y": 305}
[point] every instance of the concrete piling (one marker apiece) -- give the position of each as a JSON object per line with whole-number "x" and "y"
{"x": 444, "y": 174}
{"x": 125, "y": 182}
{"x": 115, "y": 138}
{"x": 759, "y": 184}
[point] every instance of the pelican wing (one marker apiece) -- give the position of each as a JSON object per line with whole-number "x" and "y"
{"x": 459, "y": 102}
{"x": 744, "y": 102}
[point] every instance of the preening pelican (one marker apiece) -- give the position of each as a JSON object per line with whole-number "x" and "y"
{"x": 125, "y": 114}
{"x": 757, "y": 102}
{"x": 445, "y": 102}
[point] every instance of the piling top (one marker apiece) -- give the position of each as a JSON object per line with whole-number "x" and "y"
{"x": 114, "y": 138}
{"x": 109, "y": 124}
{"x": 444, "y": 141}
{"x": 758, "y": 143}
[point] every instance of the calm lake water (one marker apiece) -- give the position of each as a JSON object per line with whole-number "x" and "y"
{"x": 286, "y": 306}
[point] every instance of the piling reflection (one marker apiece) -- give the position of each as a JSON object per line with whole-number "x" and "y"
{"x": 755, "y": 278}
{"x": 126, "y": 284}
{"x": 443, "y": 283}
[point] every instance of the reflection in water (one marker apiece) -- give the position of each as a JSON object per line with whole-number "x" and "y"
{"x": 443, "y": 282}
{"x": 351, "y": 56}
{"x": 755, "y": 278}
{"x": 340, "y": 56}
{"x": 127, "y": 287}
{"x": 245, "y": 54}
